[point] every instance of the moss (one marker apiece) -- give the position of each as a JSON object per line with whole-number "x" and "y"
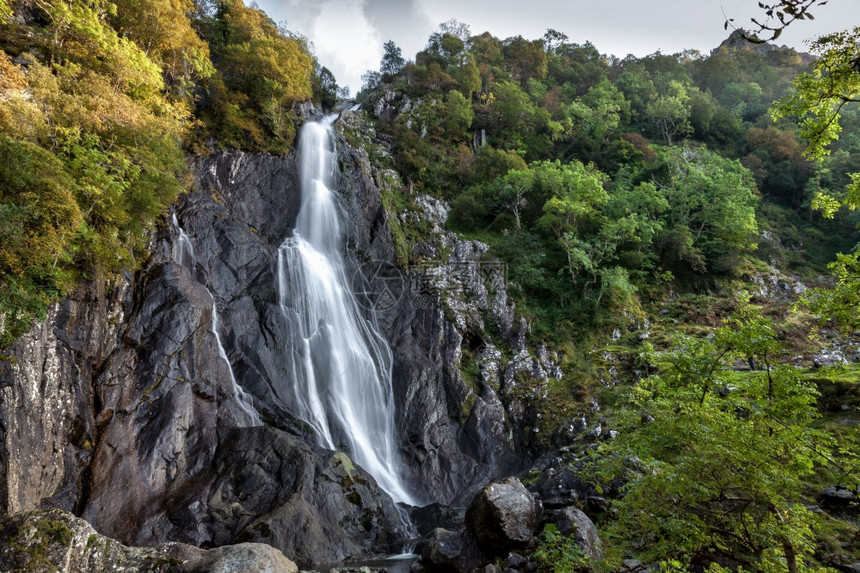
{"x": 152, "y": 386}
{"x": 467, "y": 406}
{"x": 35, "y": 539}
{"x": 92, "y": 540}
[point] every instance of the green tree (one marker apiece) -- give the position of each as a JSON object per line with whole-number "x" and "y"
{"x": 670, "y": 112}
{"x": 163, "y": 30}
{"x": 458, "y": 116}
{"x": 263, "y": 73}
{"x": 712, "y": 202}
{"x": 525, "y": 59}
{"x": 719, "y": 455}
{"x": 820, "y": 96}
{"x": 818, "y": 100}
{"x": 392, "y": 60}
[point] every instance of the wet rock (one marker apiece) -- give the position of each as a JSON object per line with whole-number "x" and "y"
{"x": 449, "y": 551}
{"x": 503, "y": 517}
{"x": 120, "y": 407}
{"x": 426, "y": 519}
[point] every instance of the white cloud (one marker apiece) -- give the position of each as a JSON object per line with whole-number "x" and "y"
{"x": 345, "y": 42}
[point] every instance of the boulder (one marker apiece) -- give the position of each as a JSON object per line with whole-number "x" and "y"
{"x": 240, "y": 558}
{"x": 449, "y": 551}
{"x": 829, "y": 357}
{"x": 835, "y": 497}
{"x": 571, "y": 521}
{"x": 55, "y": 540}
{"x": 503, "y": 517}
{"x": 426, "y": 519}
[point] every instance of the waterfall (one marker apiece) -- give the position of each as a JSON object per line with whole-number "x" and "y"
{"x": 339, "y": 364}
{"x": 183, "y": 254}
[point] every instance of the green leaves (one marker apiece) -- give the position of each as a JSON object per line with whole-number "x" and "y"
{"x": 820, "y": 95}
{"x": 720, "y": 452}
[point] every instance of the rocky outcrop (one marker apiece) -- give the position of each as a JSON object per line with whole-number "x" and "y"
{"x": 120, "y": 406}
{"x": 57, "y": 541}
{"x": 456, "y": 432}
{"x": 448, "y": 551}
{"x": 48, "y": 404}
{"x": 503, "y": 517}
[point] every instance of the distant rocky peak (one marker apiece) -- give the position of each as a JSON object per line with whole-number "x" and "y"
{"x": 737, "y": 40}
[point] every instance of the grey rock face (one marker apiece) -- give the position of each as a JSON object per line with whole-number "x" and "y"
{"x": 55, "y": 540}
{"x": 572, "y": 521}
{"x": 503, "y": 517}
{"x": 455, "y": 433}
{"x": 120, "y": 408}
{"x": 829, "y": 357}
{"x": 47, "y": 399}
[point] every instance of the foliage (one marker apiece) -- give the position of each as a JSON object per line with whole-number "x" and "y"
{"x": 262, "y": 73}
{"x": 819, "y": 99}
{"x": 164, "y": 31}
{"x": 392, "y": 59}
{"x": 39, "y": 222}
{"x": 713, "y": 201}
{"x": 94, "y": 114}
{"x": 558, "y": 553}
{"x": 719, "y": 454}
{"x": 820, "y": 96}
{"x": 778, "y": 16}
{"x": 840, "y": 303}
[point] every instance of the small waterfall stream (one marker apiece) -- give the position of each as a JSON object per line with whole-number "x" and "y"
{"x": 183, "y": 253}
{"x": 339, "y": 364}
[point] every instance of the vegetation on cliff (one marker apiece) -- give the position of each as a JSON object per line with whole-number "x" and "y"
{"x": 98, "y": 101}
{"x": 619, "y": 189}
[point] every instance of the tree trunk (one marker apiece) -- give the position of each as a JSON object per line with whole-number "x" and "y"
{"x": 790, "y": 556}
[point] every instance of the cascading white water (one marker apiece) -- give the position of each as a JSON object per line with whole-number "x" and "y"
{"x": 183, "y": 250}
{"x": 340, "y": 365}
{"x": 183, "y": 253}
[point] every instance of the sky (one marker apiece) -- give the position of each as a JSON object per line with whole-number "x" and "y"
{"x": 347, "y": 35}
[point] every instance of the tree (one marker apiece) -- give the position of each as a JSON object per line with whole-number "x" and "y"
{"x": 525, "y": 59}
{"x": 818, "y": 100}
{"x": 163, "y": 30}
{"x": 711, "y": 217}
{"x": 263, "y": 72}
{"x": 718, "y": 455}
{"x": 670, "y": 112}
{"x": 392, "y": 60}
{"x": 458, "y": 115}
{"x": 821, "y": 95}
{"x": 778, "y": 16}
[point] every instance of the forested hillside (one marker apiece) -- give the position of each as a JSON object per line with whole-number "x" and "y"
{"x": 640, "y": 204}
{"x": 598, "y": 179}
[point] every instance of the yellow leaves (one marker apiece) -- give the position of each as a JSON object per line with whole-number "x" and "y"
{"x": 80, "y": 35}
{"x": 163, "y": 30}
{"x": 11, "y": 77}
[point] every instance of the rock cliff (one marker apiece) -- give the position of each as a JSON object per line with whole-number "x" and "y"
{"x": 119, "y": 407}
